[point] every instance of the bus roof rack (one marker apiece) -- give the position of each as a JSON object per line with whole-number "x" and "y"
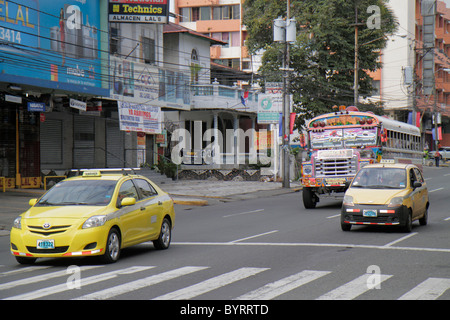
{"x": 123, "y": 170}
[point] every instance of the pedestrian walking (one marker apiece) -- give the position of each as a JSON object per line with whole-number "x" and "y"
{"x": 437, "y": 157}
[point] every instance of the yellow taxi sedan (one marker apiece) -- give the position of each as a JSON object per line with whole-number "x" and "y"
{"x": 386, "y": 194}
{"x": 95, "y": 214}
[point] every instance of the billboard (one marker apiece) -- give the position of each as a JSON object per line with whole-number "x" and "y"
{"x": 142, "y": 83}
{"x": 52, "y": 44}
{"x": 139, "y": 11}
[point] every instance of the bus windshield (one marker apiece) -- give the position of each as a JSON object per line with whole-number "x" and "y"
{"x": 343, "y": 137}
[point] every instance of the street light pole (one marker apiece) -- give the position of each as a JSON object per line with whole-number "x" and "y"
{"x": 285, "y": 32}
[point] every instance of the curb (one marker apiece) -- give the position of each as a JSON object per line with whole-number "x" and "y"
{"x": 191, "y": 202}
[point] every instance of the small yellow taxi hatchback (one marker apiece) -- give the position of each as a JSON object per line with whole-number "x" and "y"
{"x": 95, "y": 214}
{"x": 386, "y": 194}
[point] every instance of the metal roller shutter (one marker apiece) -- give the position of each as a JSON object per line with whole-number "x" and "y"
{"x": 83, "y": 142}
{"x": 115, "y": 156}
{"x": 51, "y": 137}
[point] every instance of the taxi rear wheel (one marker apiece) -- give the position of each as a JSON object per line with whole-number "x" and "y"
{"x": 112, "y": 249}
{"x": 165, "y": 235}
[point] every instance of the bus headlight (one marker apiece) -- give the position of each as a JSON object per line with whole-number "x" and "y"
{"x": 307, "y": 169}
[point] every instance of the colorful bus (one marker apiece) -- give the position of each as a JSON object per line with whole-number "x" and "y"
{"x": 341, "y": 142}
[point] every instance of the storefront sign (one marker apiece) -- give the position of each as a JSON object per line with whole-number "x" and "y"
{"x": 36, "y": 106}
{"x": 139, "y": 117}
{"x": 142, "y": 83}
{"x": 139, "y": 11}
{"x": 30, "y": 182}
{"x": 80, "y": 105}
{"x": 54, "y": 44}
{"x": 269, "y": 107}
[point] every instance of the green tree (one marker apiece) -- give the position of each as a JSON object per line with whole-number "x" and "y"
{"x": 323, "y": 55}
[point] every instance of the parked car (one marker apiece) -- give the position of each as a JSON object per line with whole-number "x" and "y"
{"x": 386, "y": 195}
{"x": 444, "y": 153}
{"x": 93, "y": 214}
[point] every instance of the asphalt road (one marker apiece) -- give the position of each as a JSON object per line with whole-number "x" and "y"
{"x": 265, "y": 248}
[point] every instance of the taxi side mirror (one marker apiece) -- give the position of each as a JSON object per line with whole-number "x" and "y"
{"x": 32, "y": 202}
{"x": 128, "y": 201}
{"x": 417, "y": 184}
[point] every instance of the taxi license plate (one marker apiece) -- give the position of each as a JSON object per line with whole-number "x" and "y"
{"x": 369, "y": 213}
{"x": 45, "y": 244}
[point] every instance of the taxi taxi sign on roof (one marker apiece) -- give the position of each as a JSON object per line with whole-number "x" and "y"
{"x": 88, "y": 172}
{"x": 92, "y": 173}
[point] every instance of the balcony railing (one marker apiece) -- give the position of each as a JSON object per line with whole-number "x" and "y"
{"x": 216, "y": 96}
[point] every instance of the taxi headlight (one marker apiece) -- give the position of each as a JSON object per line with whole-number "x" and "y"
{"x": 18, "y": 223}
{"x": 396, "y": 202}
{"x": 348, "y": 201}
{"x": 94, "y": 221}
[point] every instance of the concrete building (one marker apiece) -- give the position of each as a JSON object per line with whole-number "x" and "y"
{"x": 399, "y": 83}
{"x": 221, "y": 20}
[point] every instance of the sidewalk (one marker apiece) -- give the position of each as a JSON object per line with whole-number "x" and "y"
{"x": 184, "y": 192}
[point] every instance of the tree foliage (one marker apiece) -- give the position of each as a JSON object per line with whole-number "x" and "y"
{"x": 323, "y": 55}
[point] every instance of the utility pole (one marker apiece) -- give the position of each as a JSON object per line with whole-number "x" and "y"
{"x": 356, "y": 67}
{"x": 285, "y": 32}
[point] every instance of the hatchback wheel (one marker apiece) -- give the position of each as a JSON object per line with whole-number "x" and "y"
{"x": 408, "y": 222}
{"x": 165, "y": 235}
{"x": 112, "y": 249}
{"x": 424, "y": 220}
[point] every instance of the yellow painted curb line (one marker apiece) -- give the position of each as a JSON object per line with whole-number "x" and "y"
{"x": 191, "y": 202}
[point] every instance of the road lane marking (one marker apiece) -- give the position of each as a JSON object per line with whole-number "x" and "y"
{"x": 140, "y": 283}
{"x": 353, "y": 289}
{"x": 43, "y": 277}
{"x": 277, "y": 288}
{"x": 211, "y": 284}
{"x": 431, "y": 191}
{"x": 401, "y": 239}
{"x": 447, "y": 219}
{"x": 306, "y": 244}
{"x": 241, "y": 213}
{"x": 22, "y": 270}
{"x": 335, "y": 216}
{"x": 430, "y": 289}
{"x": 84, "y": 282}
{"x": 255, "y": 236}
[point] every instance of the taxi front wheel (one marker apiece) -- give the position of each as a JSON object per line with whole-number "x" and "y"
{"x": 112, "y": 250}
{"x": 408, "y": 222}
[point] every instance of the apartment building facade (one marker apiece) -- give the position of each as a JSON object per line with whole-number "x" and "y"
{"x": 399, "y": 83}
{"x": 221, "y": 20}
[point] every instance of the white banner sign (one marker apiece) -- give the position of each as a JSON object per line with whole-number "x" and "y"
{"x": 139, "y": 117}
{"x": 77, "y": 104}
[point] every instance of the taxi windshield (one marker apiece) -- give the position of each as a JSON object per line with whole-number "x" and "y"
{"x": 380, "y": 178}
{"x": 79, "y": 192}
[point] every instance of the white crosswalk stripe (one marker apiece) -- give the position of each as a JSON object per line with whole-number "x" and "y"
{"x": 140, "y": 283}
{"x": 84, "y": 282}
{"x": 277, "y": 288}
{"x": 22, "y": 270}
{"x": 12, "y": 284}
{"x": 211, "y": 284}
{"x": 430, "y": 289}
{"x": 353, "y": 289}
